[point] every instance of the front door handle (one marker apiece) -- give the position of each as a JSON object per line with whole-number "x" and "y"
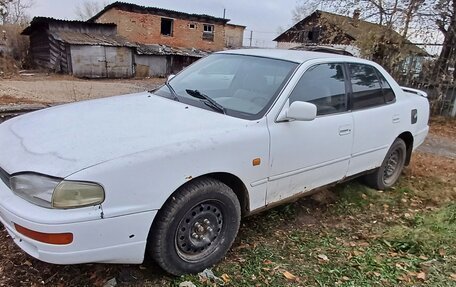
{"x": 345, "y": 130}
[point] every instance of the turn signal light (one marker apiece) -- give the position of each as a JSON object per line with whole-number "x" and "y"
{"x": 50, "y": 238}
{"x": 256, "y": 161}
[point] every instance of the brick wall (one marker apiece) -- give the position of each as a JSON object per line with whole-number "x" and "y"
{"x": 146, "y": 29}
{"x": 234, "y": 36}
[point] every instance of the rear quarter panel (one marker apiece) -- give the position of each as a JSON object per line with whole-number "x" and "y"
{"x": 405, "y": 103}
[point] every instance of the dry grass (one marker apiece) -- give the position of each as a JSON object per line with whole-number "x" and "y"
{"x": 6, "y": 100}
{"x": 443, "y": 127}
{"x": 433, "y": 177}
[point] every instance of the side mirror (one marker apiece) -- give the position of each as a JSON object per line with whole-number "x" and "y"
{"x": 299, "y": 111}
{"x": 170, "y": 77}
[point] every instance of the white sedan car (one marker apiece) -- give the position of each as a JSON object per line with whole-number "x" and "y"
{"x": 171, "y": 172}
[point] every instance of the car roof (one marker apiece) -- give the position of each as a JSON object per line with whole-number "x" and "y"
{"x": 289, "y": 55}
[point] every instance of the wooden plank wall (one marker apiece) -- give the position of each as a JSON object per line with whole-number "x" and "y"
{"x": 58, "y": 56}
{"x": 48, "y": 53}
{"x": 39, "y": 48}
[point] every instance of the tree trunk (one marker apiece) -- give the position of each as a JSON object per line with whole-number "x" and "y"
{"x": 448, "y": 52}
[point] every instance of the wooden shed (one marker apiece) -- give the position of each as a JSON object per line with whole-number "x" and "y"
{"x": 79, "y": 48}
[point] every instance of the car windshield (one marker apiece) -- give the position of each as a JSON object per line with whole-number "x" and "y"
{"x": 238, "y": 85}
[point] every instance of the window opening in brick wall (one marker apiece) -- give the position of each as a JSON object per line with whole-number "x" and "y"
{"x": 167, "y": 26}
{"x": 208, "y": 32}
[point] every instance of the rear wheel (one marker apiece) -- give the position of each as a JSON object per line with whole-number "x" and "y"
{"x": 389, "y": 172}
{"x": 196, "y": 227}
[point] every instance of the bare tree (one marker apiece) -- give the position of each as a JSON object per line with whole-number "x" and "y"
{"x": 3, "y": 9}
{"x": 409, "y": 13}
{"x": 386, "y": 48}
{"x": 446, "y": 23}
{"x": 15, "y": 11}
{"x": 395, "y": 14}
{"x": 89, "y": 8}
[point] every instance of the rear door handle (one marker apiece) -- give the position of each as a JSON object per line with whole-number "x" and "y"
{"x": 345, "y": 130}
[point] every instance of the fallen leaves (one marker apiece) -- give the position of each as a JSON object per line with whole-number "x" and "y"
{"x": 323, "y": 257}
{"x": 225, "y": 278}
{"x": 442, "y": 252}
{"x": 421, "y": 276}
{"x": 28, "y": 263}
{"x": 187, "y": 284}
{"x": 289, "y": 276}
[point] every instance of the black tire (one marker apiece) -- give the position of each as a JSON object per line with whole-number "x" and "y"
{"x": 195, "y": 228}
{"x": 389, "y": 172}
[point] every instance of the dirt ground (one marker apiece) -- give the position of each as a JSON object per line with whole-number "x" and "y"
{"x": 52, "y": 89}
{"x": 442, "y": 138}
{"x": 346, "y": 236}
{"x": 439, "y": 145}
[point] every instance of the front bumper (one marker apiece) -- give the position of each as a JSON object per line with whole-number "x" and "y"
{"x": 119, "y": 239}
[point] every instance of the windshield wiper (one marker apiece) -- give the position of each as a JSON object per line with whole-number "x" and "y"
{"x": 207, "y": 100}
{"x": 173, "y": 93}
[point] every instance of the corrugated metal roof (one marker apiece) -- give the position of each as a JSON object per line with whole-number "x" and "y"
{"x": 79, "y": 38}
{"x": 157, "y": 49}
{"x": 39, "y": 21}
{"x": 157, "y": 11}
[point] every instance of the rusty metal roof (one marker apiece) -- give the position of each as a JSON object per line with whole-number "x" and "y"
{"x": 157, "y": 49}
{"x": 93, "y": 39}
{"x": 45, "y": 21}
{"x": 158, "y": 11}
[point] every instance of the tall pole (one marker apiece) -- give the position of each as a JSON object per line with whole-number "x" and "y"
{"x": 224, "y": 13}
{"x": 251, "y": 37}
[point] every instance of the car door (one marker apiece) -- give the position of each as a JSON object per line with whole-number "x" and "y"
{"x": 376, "y": 118}
{"x": 309, "y": 154}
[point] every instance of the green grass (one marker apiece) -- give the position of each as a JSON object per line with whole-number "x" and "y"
{"x": 365, "y": 235}
{"x": 427, "y": 233}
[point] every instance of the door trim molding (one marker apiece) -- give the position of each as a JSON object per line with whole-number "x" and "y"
{"x": 305, "y": 169}
{"x": 369, "y": 151}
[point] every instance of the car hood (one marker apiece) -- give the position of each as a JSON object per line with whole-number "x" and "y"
{"x": 62, "y": 140}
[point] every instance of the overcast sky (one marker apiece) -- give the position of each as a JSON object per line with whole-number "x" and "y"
{"x": 263, "y": 17}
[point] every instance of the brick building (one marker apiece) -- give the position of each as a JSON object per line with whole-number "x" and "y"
{"x": 150, "y": 25}
{"x": 234, "y": 35}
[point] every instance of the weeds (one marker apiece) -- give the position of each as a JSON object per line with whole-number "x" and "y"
{"x": 429, "y": 233}
{"x": 365, "y": 238}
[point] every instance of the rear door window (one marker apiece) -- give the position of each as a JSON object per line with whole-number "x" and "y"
{"x": 366, "y": 88}
{"x": 388, "y": 92}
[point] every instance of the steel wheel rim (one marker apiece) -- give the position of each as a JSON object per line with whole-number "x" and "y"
{"x": 393, "y": 167}
{"x": 199, "y": 232}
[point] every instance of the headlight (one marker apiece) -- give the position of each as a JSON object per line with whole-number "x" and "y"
{"x": 56, "y": 193}
{"x": 71, "y": 194}
{"x": 35, "y": 188}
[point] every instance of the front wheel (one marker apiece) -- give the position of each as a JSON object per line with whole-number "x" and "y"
{"x": 196, "y": 227}
{"x": 389, "y": 172}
